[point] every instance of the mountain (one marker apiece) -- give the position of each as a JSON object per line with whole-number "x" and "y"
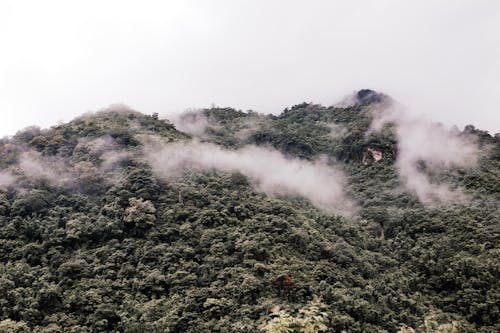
{"x": 349, "y": 218}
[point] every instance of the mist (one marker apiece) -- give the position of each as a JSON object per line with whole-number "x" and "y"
{"x": 426, "y": 147}
{"x": 95, "y": 160}
{"x": 108, "y": 152}
{"x": 6, "y": 179}
{"x": 337, "y": 131}
{"x": 268, "y": 170}
{"x": 193, "y": 122}
{"x": 196, "y": 123}
{"x": 96, "y": 146}
{"x": 54, "y": 169}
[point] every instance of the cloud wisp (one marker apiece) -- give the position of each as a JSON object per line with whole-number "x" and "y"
{"x": 54, "y": 169}
{"x": 425, "y": 147}
{"x": 93, "y": 160}
{"x": 269, "y": 170}
{"x": 6, "y": 179}
{"x": 193, "y": 122}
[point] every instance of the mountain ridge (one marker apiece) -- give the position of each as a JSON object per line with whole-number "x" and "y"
{"x": 105, "y": 227}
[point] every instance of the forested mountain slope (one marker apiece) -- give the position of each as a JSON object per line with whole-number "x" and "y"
{"x": 330, "y": 219}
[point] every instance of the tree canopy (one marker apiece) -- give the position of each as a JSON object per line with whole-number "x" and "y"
{"x": 99, "y": 243}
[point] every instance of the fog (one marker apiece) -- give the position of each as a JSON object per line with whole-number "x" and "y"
{"x": 60, "y": 58}
{"x": 53, "y": 168}
{"x": 268, "y": 169}
{"x": 194, "y": 122}
{"x": 426, "y": 147}
{"x": 100, "y": 164}
{"x": 96, "y": 146}
{"x": 6, "y": 179}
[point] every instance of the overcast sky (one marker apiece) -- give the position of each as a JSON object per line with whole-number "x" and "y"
{"x": 59, "y": 59}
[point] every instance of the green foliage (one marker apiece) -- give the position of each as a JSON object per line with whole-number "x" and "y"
{"x": 309, "y": 320}
{"x": 123, "y": 251}
{"x": 436, "y": 323}
{"x": 10, "y": 326}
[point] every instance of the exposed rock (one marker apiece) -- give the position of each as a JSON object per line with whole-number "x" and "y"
{"x": 362, "y": 97}
{"x": 376, "y": 155}
{"x": 367, "y": 96}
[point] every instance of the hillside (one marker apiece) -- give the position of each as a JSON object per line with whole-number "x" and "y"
{"x": 343, "y": 218}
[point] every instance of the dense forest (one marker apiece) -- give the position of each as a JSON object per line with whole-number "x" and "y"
{"x": 104, "y": 228}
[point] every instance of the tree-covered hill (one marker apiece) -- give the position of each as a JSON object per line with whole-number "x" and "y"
{"x": 96, "y": 235}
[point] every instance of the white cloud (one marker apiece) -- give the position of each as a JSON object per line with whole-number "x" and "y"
{"x": 6, "y": 178}
{"x": 269, "y": 170}
{"x": 427, "y": 147}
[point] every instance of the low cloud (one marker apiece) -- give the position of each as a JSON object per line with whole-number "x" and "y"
{"x": 70, "y": 172}
{"x": 107, "y": 150}
{"x": 96, "y": 146}
{"x": 269, "y": 170}
{"x": 425, "y": 147}
{"x": 250, "y": 126}
{"x": 53, "y": 168}
{"x": 6, "y": 179}
{"x": 336, "y": 130}
{"x": 194, "y": 122}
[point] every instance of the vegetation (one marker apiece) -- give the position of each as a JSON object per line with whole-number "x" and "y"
{"x": 117, "y": 249}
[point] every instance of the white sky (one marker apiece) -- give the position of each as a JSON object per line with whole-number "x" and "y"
{"x": 59, "y": 59}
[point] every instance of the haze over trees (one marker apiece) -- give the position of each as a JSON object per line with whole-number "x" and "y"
{"x": 320, "y": 219}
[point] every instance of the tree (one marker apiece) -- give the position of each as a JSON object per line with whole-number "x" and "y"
{"x": 140, "y": 213}
{"x": 11, "y": 326}
{"x": 309, "y": 320}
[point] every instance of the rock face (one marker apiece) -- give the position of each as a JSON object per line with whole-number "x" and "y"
{"x": 363, "y": 97}
{"x": 376, "y": 155}
{"x": 367, "y": 96}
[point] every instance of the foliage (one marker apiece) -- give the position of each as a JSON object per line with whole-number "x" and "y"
{"x": 119, "y": 250}
{"x": 309, "y": 320}
{"x": 435, "y": 323}
{"x": 10, "y": 326}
